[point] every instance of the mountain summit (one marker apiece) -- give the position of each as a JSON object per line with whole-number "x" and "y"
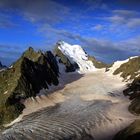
{"x": 76, "y": 58}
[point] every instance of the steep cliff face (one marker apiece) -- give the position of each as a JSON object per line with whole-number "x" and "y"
{"x": 25, "y": 78}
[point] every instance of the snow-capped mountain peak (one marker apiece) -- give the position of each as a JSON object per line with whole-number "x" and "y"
{"x": 76, "y": 54}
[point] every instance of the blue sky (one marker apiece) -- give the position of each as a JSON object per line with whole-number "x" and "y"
{"x": 107, "y": 29}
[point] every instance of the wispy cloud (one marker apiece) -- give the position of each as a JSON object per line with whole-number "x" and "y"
{"x": 55, "y": 20}
{"x": 110, "y": 51}
{"x": 6, "y": 21}
{"x": 95, "y": 4}
{"x": 127, "y": 18}
{"x": 9, "y": 53}
{"x": 97, "y": 27}
{"x": 37, "y": 10}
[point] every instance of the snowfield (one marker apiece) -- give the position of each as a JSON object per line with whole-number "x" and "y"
{"x": 83, "y": 106}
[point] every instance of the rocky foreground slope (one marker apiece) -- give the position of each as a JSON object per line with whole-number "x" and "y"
{"x": 25, "y": 78}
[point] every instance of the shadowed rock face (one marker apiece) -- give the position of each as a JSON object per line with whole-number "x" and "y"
{"x": 28, "y": 75}
{"x": 2, "y": 66}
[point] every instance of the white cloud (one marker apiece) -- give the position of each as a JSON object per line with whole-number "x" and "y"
{"x": 126, "y": 13}
{"x": 110, "y": 51}
{"x": 128, "y": 18}
{"x": 37, "y": 10}
{"x": 97, "y": 27}
{"x": 134, "y": 22}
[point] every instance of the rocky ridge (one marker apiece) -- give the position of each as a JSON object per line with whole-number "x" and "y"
{"x": 25, "y": 78}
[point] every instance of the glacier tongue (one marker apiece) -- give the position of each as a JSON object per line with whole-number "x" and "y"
{"x": 76, "y": 54}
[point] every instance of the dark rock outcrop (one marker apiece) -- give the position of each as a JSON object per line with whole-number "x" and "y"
{"x": 2, "y": 66}
{"x": 133, "y": 91}
{"x": 27, "y": 76}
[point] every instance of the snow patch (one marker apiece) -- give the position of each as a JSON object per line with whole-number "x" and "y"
{"x": 133, "y": 57}
{"x": 116, "y": 65}
{"x": 2, "y": 69}
{"x": 11, "y": 67}
{"x": 6, "y": 92}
